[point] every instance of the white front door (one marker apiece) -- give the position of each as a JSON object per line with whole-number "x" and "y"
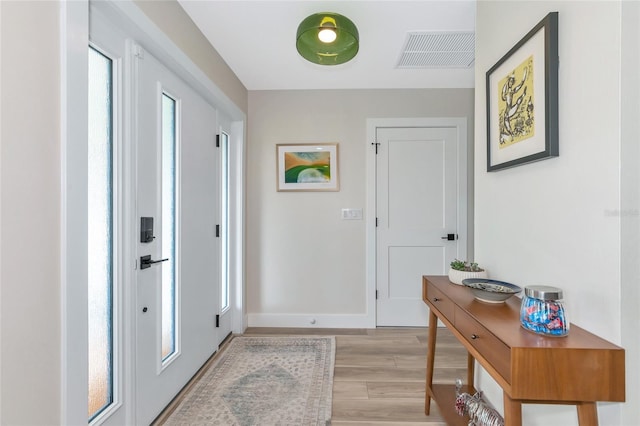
{"x": 416, "y": 209}
{"x": 178, "y": 263}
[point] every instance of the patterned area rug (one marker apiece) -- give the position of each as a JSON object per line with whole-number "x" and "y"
{"x": 264, "y": 381}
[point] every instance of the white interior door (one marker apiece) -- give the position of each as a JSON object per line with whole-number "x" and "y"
{"x": 416, "y": 207}
{"x": 177, "y": 186}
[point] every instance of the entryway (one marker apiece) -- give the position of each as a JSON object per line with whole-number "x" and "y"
{"x": 163, "y": 223}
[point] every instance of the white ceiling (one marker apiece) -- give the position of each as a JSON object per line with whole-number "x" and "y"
{"x": 257, "y": 39}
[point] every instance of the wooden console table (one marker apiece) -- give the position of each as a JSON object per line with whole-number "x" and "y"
{"x": 578, "y": 369}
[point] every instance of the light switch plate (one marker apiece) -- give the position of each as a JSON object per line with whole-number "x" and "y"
{"x": 351, "y": 214}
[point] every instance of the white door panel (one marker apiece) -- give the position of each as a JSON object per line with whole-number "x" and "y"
{"x": 407, "y": 263}
{"x": 415, "y": 182}
{"x": 159, "y": 377}
{"x": 416, "y": 193}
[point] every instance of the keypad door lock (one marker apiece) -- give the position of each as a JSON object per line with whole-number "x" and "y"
{"x": 146, "y": 230}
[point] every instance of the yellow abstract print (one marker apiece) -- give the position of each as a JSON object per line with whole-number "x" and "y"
{"x": 307, "y": 167}
{"x": 516, "y": 105}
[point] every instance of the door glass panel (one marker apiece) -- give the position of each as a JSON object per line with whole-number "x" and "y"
{"x": 224, "y": 296}
{"x": 168, "y": 226}
{"x": 100, "y": 233}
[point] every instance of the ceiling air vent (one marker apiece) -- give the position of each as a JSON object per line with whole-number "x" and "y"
{"x": 438, "y": 50}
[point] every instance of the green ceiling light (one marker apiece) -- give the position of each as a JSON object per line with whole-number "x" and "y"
{"x": 327, "y": 39}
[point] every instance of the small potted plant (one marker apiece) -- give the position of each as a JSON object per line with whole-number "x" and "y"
{"x": 461, "y": 270}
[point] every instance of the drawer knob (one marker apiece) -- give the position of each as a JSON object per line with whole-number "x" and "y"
{"x": 435, "y": 299}
{"x": 474, "y": 336}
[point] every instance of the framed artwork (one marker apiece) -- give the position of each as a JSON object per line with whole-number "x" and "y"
{"x": 522, "y": 100}
{"x": 307, "y": 167}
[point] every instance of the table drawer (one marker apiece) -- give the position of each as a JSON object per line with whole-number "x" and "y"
{"x": 436, "y": 299}
{"x": 492, "y": 349}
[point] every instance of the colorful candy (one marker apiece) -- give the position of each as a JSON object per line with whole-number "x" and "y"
{"x": 542, "y": 311}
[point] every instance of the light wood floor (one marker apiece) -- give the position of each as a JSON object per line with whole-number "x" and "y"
{"x": 379, "y": 376}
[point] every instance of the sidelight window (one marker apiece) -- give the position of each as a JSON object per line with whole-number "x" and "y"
{"x": 100, "y": 233}
{"x": 169, "y": 116}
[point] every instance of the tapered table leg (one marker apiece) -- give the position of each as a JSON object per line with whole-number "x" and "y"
{"x": 587, "y": 414}
{"x": 512, "y": 411}
{"x": 431, "y": 349}
{"x": 471, "y": 365}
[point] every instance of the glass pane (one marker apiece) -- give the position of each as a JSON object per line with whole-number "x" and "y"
{"x": 168, "y": 225}
{"x": 224, "y": 296}
{"x": 100, "y": 234}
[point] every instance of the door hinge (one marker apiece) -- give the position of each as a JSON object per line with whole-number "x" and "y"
{"x": 217, "y": 321}
{"x": 376, "y": 294}
{"x": 217, "y": 231}
{"x": 376, "y": 222}
{"x": 376, "y": 144}
{"x": 217, "y": 141}
{"x": 138, "y": 52}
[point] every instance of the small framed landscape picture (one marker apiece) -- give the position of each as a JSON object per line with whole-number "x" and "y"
{"x": 307, "y": 167}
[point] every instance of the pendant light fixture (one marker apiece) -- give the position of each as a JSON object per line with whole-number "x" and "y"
{"x": 327, "y": 39}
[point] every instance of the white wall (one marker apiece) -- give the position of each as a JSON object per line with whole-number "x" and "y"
{"x": 557, "y": 222}
{"x": 303, "y": 261}
{"x": 171, "y": 18}
{"x": 630, "y": 205}
{"x": 30, "y": 216}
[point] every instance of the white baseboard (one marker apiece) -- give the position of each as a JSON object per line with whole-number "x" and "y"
{"x": 311, "y": 321}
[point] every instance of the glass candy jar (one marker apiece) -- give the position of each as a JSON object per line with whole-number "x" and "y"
{"x": 542, "y": 311}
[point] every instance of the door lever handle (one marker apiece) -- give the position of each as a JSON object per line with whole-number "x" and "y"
{"x": 146, "y": 262}
{"x": 450, "y": 237}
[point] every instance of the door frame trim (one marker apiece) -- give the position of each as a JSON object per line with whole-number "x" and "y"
{"x": 74, "y": 42}
{"x": 463, "y": 224}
